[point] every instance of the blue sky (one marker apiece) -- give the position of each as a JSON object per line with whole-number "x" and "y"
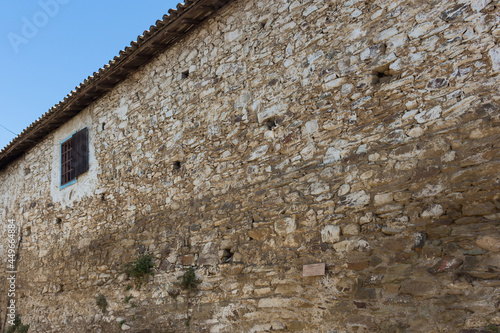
{"x": 48, "y": 47}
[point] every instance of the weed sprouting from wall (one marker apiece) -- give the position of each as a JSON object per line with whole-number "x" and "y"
{"x": 189, "y": 280}
{"x": 101, "y": 302}
{"x": 494, "y": 328}
{"x": 140, "y": 269}
{"x": 18, "y": 326}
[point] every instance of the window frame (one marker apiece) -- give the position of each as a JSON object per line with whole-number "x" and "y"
{"x": 73, "y": 181}
{"x": 79, "y": 153}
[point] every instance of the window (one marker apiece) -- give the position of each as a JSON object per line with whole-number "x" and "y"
{"x": 74, "y": 157}
{"x": 67, "y": 172}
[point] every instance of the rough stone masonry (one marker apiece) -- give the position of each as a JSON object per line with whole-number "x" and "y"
{"x": 359, "y": 134}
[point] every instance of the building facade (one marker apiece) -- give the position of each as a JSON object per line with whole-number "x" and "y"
{"x": 321, "y": 166}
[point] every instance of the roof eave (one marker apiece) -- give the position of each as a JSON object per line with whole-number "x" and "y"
{"x": 154, "y": 41}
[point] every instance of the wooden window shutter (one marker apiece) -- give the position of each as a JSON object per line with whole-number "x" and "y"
{"x": 80, "y": 153}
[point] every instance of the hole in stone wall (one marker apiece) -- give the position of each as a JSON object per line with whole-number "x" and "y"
{"x": 177, "y": 165}
{"x": 381, "y": 74}
{"x": 103, "y": 197}
{"x": 28, "y": 231}
{"x": 58, "y": 221}
{"x": 273, "y": 82}
{"x": 103, "y": 125}
{"x": 185, "y": 74}
{"x": 271, "y": 123}
{"x": 383, "y": 78}
{"x": 262, "y": 25}
{"x": 227, "y": 256}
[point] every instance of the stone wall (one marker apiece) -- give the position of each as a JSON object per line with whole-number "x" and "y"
{"x": 359, "y": 134}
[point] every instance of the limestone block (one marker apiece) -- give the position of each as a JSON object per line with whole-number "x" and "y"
{"x": 494, "y": 54}
{"x": 258, "y": 152}
{"x": 285, "y": 226}
{"x": 365, "y": 322}
{"x": 356, "y": 199}
{"x": 309, "y": 151}
{"x": 433, "y": 210}
{"x": 233, "y": 35}
{"x": 342, "y": 246}
{"x": 478, "y": 5}
{"x": 397, "y": 273}
{"x": 330, "y": 234}
{"x": 309, "y": 220}
{"x": 335, "y": 83}
{"x": 262, "y": 291}
{"x": 311, "y": 127}
{"x": 351, "y": 229}
{"x": 319, "y": 188}
{"x": 309, "y": 10}
{"x": 455, "y": 13}
{"x": 231, "y": 268}
{"x": 383, "y": 199}
{"x": 490, "y": 243}
{"x": 419, "y": 288}
{"x": 332, "y": 155}
{"x": 429, "y": 191}
{"x": 273, "y": 302}
{"x": 270, "y": 112}
{"x": 428, "y": 115}
{"x": 259, "y": 233}
{"x": 478, "y": 208}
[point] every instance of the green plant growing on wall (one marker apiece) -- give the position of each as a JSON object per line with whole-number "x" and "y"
{"x": 101, "y": 302}
{"x": 128, "y": 298}
{"x": 189, "y": 280}
{"x": 140, "y": 269}
{"x": 494, "y": 328}
{"x": 18, "y": 326}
